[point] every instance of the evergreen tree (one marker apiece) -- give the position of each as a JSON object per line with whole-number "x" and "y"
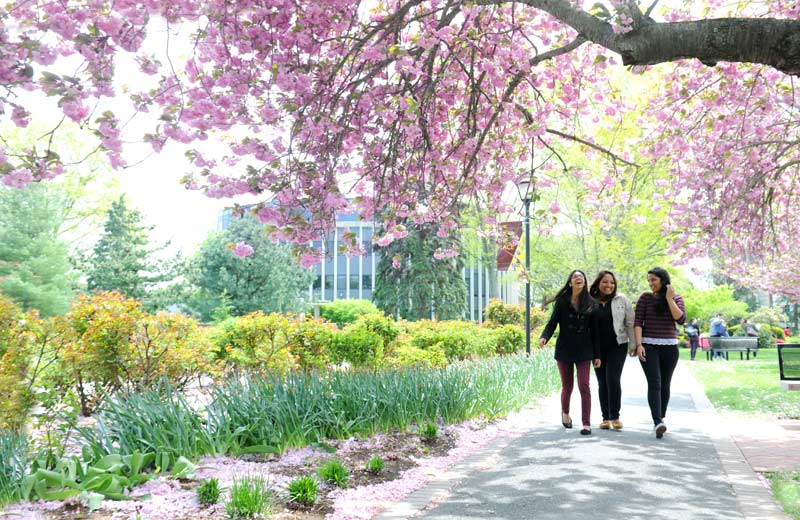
{"x": 35, "y": 270}
{"x": 269, "y": 280}
{"x": 412, "y": 283}
{"x": 121, "y": 258}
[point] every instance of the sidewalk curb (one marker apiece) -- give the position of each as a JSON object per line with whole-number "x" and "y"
{"x": 439, "y": 487}
{"x": 755, "y": 501}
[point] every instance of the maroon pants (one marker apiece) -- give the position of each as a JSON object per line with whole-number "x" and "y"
{"x": 567, "y": 382}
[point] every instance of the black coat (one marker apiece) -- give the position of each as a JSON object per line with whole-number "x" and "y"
{"x": 574, "y": 343}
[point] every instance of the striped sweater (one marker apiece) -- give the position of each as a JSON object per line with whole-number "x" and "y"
{"x": 655, "y": 325}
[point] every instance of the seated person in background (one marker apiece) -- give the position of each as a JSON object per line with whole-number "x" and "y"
{"x": 749, "y": 329}
{"x": 718, "y": 329}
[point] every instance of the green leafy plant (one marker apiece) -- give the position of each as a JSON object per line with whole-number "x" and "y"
{"x": 12, "y": 466}
{"x": 343, "y": 312}
{"x": 303, "y": 490}
{"x": 334, "y": 473}
{"x": 375, "y": 465}
{"x": 208, "y": 491}
{"x": 161, "y": 422}
{"x": 429, "y": 432}
{"x": 263, "y": 414}
{"x": 249, "y": 497}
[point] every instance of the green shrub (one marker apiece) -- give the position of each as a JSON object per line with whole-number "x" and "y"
{"x": 499, "y": 313}
{"x": 509, "y": 339}
{"x": 310, "y": 343}
{"x": 208, "y": 491}
{"x": 256, "y": 341}
{"x": 778, "y": 332}
{"x": 303, "y": 490}
{"x": 407, "y": 355}
{"x": 381, "y": 325}
{"x": 334, "y": 472}
{"x": 16, "y": 354}
{"x": 249, "y": 497}
{"x": 114, "y": 344}
{"x": 765, "y": 338}
{"x": 375, "y": 465}
{"x": 344, "y": 312}
{"x": 458, "y": 339}
{"x": 358, "y": 346}
{"x": 429, "y": 432}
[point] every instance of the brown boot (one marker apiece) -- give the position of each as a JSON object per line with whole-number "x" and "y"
{"x": 616, "y": 424}
{"x": 605, "y": 425}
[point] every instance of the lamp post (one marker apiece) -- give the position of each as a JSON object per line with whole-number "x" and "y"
{"x": 524, "y": 190}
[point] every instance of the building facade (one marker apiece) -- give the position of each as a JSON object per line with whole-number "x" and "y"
{"x": 340, "y": 278}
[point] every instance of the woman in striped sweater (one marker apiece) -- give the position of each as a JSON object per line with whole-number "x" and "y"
{"x": 657, "y": 314}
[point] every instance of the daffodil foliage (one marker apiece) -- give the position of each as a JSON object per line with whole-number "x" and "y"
{"x": 405, "y": 109}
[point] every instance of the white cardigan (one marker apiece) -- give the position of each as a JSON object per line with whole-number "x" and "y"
{"x": 622, "y": 313}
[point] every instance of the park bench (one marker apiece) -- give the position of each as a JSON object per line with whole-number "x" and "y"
{"x": 789, "y": 362}
{"x": 742, "y": 345}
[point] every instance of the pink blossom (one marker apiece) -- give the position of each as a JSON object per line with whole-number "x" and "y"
{"x": 18, "y": 178}
{"x": 243, "y": 250}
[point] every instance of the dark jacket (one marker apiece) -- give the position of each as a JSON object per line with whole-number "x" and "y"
{"x": 575, "y": 334}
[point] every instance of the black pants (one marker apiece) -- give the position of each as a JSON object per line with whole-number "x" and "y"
{"x": 658, "y": 369}
{"x": 694, "y": 342}
{"x": 608, "y": 376}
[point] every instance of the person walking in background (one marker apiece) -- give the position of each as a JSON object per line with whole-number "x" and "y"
{"x": 657, "y": 312}
{"x": 692, "y": 330}
{"x": 572, "y": 312}
{"x": 613, "y": 329}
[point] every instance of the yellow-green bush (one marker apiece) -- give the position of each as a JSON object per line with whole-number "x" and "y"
{"x": 344, "y": 312}
{"x": 114, "y": 343}
{"x": 310, "y": 342}
{"x": 457, "y": 339}
{"x": 15, "y": 338}
{"x": 406, "y": 354}
{"x": 256, "y": 341}
{"x": 508, "y": 339}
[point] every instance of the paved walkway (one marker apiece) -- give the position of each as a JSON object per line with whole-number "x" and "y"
{"x": 696, "y": 471}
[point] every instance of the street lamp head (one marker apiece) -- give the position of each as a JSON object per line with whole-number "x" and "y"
{"x": 524, "y": 187}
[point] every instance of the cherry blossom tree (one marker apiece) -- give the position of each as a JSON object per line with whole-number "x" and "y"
{"x": 408, "y": 108}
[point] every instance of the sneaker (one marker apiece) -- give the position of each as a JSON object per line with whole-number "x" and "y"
{"x": 605, "y": 425}
{"x": 616, "y": 424}
{"x": 660, "y": 429}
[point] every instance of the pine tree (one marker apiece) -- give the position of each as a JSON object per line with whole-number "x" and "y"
{"x": 269, "y": 280}
{"x": 35, "y": 270}
{"x": 422, "y": 286}
{"x": 121, "y": 257}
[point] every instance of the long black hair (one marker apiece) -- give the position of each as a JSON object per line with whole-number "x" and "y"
{"x": 565, "y": 293}
{"x": 661, "y": 297}
{"x": 594, "y": 290}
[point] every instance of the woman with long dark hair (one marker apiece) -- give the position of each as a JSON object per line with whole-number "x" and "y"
{"x": 613, "y": 318}
{"x": 574, "y": 350}
{"x": 657, "y": 313}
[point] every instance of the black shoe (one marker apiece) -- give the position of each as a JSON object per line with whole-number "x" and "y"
{"x": 586, "y": 430}
{"x": 660, "y": 429}
{"x": 565, "y": 420}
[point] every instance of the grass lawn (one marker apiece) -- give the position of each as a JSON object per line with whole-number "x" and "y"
{"x": 786, "y": 490}
{"x": 748, "y": 386}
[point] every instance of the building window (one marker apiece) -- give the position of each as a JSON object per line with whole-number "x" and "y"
{"x": 353, "y": 283}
